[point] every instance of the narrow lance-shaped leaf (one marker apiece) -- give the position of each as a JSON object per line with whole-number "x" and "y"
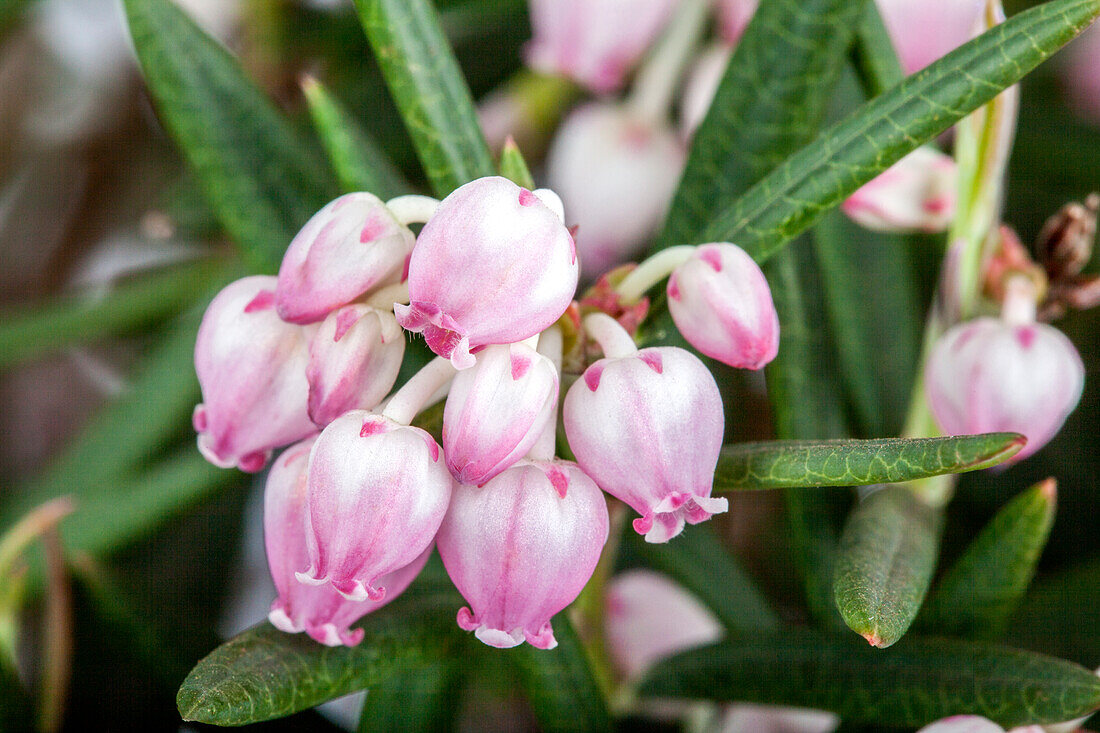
{"x": 262, "y": 178}
{"x": 876, "y": 60}
{"x": 913, "y": 684}
{"x": 265, "y": 673}
{"x": 559, "y": 683}
{"x": 770, "y": 102}
{"x": 884, "y": 563}
{"x": 514, "y": 167}
{"x": 804, "y": 463}
{"x": 976, "y": 596}
{"x": 850, "y": 153}
{"x": 429, "y": 90}
{"x": 359, "y": 163}
{"x": 415, "y": 700}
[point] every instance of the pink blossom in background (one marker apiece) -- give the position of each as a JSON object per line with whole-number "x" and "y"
{"x": 916, "y": 194}
{"x": 494, "y": 265}
{"x": 925, "y": 30}
{"x": 616, "y": 175}
{"x": 496, "y": 411}
{"x": 734, "y": 17}
{"x": 987, "y": 375}
{"x": 595, "y": 43}
{"x": 321, "y": 612}
{"x": 1081, "y": 73}
{"x": 377, "y": 491}
{"x": 521, "y": 547}
{"x": 648, "y": 428}
{"x": 702, "y": 83}
{"x": 721, "y": 303}
{"x": 251, "y": 366}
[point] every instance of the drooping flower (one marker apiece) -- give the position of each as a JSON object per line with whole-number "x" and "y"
{"x": 616, "y": 175}
{"x": 648, "y": 428}
{"x": 521, "y": 547}
{"x": 494, "y": 265}
{"x": 594, "y": 42}
{"x": 988, "y": 375}
{"x": 723, "y": 306}
{"x": 378, "y": 491}
{"x": 925, "y": 30}
{"x": 251, "y": 366}
{"x": 321, "y": 612}
{"x": 496, "y": 411}
{"x": 916, "y": 194}
{"x": 351, "y": 246}
{"x": 354, "y": 359}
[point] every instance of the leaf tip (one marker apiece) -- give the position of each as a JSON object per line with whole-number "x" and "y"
{"x": 874, "y": 639}
{"x": 1048, "y": 489}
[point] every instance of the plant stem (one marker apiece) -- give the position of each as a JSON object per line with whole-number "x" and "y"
{"x": 659, "y": 78}
{"x": 413, "y": 208}
{"x": 550, "y": 346}
{"x": 652, "y": 271}
{"x": 612, "y": 337}
{"x": 418, "y": 391}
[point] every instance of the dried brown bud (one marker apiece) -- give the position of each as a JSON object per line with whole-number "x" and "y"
{"x": 1066, "y": 240}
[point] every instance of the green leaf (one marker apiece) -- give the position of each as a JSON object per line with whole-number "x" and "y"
{"x": 559, "y": 683}
{"x": 265, "y": 673}
{"x": 784, "y": 464}
{"x": 876, "y": 61}
{"x": 793, "y": 196}
{"x": 429, "y": 90}
{"x": 699, "y": 562}
{"x": 913, "y": 684}
{"x": 976, "y": 597}
{"x": 415, "y": 700}
{"x": 48, "y": 327}
{"x": 514, "y": 167}
{"x": 1058, "y": 615}
{"x": 261, "y": 177}
{"x": 359, "y": 163}
{"x": 770, "y": 102}
{"x": 884, "y": 563}
{"x": 11, "y": 12}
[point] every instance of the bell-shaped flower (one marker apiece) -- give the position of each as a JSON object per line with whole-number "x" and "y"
{"x": 723, "y": 306}
{"x": 734, "y": 17}
{"x": 616, "y": 174}
{"x": 494, "y": 265}
{"x": 648, "y": 428}
{"x": 925, "y": 30}
{"x": 916, "y": 194}
{"x": 988, "y": 375}
{"x": 650, "y": 617}
{"x": 351, "y": 246}
{"x": 354, "y": 359}
{"x": 978, "y": 724}
{"x": 251, "y": 366}
{"x": 594, "y": 42}
{"x": 378, "y": 491}
{"x": 521, "y": 547}
{"x": 321, "y": 612}
{"x": 496, "y": 411}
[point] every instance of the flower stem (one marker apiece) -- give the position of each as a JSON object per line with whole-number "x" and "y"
{"x": 659, "y": 78}
{"x": 416, "y": 393}
{"x": 550, "y": 346}
{"x": 612, "y": 337}
{"x": 652, "y": 271}
{"x": 412, "y": 209}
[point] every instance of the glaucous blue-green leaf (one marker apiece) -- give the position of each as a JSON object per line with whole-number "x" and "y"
{"x": 884, "y": 563}
{"x": 265, "y": 673}
{"x": 912, "y": 684}
{"x": 360, "y": 165}
{"x": 976, "y": 596}
{"x": 793, "y": 196}
{"x": 769, "y": 103}
{"x": 427, "y": 85}
{"x": 783, "y": 464}
{"x": 559, "y": 683}
{"x": 261, "y": 176}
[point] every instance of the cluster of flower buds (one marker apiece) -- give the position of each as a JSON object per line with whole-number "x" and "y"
{"x": 354, "y": 507}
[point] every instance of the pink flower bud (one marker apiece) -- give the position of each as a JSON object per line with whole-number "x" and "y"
{"x": 320, "y": 611}
{"x": 746, "y": 718}
{"x": 252, "y": 369}
{"x": 494, "y": 265}
{"x": 989, "y": 376}
{"x": 650, "y": 617}
{"x": 354, "y": 359}
{"x": 352, "y": 245}
{"x": 594, "y": 42}
{"x": 378, "y": 491}
{"x": 723, "y": 306}
{"x": 521, "y": 547}
{"x": 734, "y": 17}
{"x": 616, "y": 175}
{"x": 925, "y": 30}
{"x": 648, "y": 428}
{"x": 915, "y": 194}
{"x": 496, "y": 411}
{"x": 963, "y": 724}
